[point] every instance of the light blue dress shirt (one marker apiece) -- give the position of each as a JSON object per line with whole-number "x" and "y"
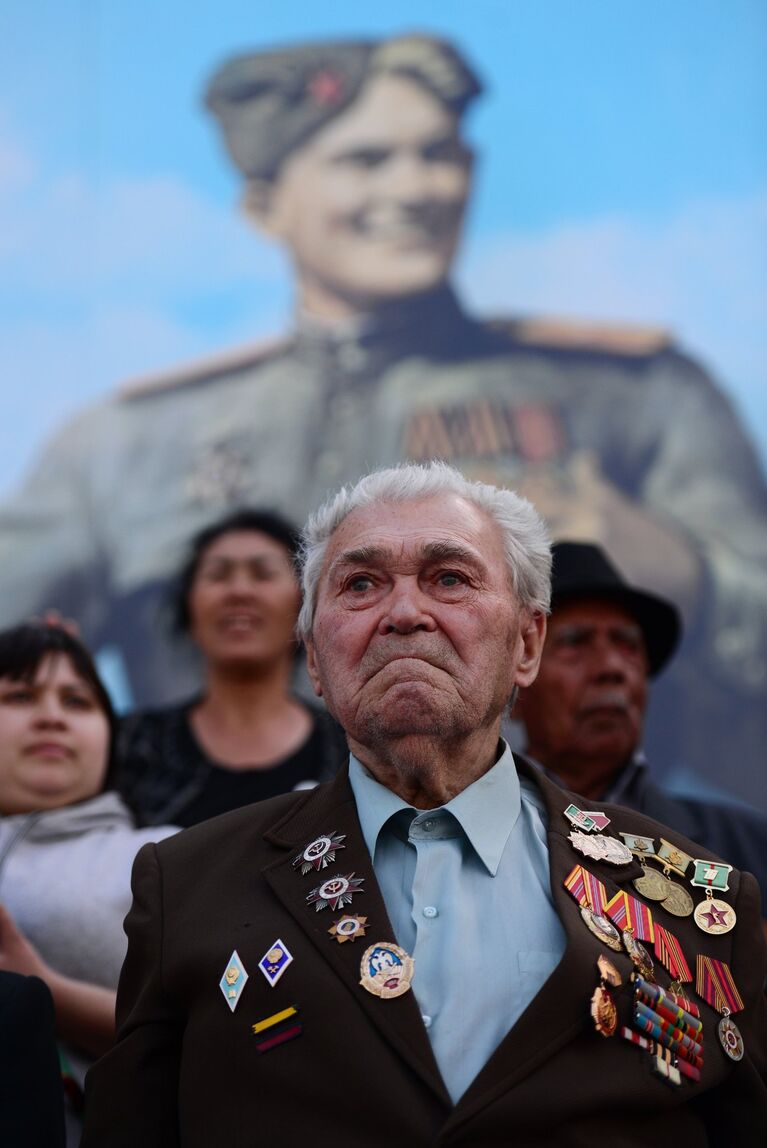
{"x": 467, "y": 890}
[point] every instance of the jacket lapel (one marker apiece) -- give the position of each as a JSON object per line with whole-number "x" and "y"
{"x": 560, "y": 1011}
{"x": 331, "y": 809}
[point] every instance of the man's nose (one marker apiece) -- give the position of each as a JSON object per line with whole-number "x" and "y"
{"x": 407, "y": 610}
{"x": 611, "y": 662}
{"x": 408, "y": 179}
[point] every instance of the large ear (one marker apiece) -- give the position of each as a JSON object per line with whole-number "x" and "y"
{"x": 258, "y": 204}
{"x": 312, "y": 668}
{"x": 532, "y": 635}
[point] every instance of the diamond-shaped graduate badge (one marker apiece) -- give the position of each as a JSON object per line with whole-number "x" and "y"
{"x": 233, "y": 981}
{"x": 274, "y": 961}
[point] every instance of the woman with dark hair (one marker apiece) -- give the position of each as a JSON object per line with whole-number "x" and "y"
{"x": 247, "y": 736}
{"x": 67, "y": 842}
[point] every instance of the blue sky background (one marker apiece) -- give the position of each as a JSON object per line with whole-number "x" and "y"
{"x": 623, "y": 176}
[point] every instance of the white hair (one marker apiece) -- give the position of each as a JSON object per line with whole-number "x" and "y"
{"x": 525, "y": 538}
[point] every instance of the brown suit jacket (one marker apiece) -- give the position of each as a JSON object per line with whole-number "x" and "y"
{"x": 186, "y": 1071}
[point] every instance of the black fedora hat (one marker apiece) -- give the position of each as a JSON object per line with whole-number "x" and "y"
{"x": 583, "y": 570}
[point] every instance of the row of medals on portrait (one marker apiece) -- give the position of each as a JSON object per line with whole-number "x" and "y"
{"x": 665, "y": 1022}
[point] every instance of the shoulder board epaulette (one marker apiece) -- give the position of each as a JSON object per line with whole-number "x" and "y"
{"x": 202, "y": 370}
{"x": 572, "y": 334}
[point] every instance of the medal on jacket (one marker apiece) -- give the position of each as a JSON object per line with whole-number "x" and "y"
{"x": 233, "y": 981}
{"x": 579, "y": 819}
{"x": 336, "y": 892}
{"x": 275, "y": 961}
{"x": 591, "y": 895}
{"x": 348, "y": 928}
{"x": 603, "y": 1010}
{"x": 601, "y": 848}
{"x": 713, "y": 915}
{"x": 651, "y": 884}
{"x": 386, "y": 970}
{"x": 630, "y": 915}
{"x": 320, "y": 852}
{"x": 714, "y": 982}
{"x": 669, "y": 952}
{"x": 677, "y": 901}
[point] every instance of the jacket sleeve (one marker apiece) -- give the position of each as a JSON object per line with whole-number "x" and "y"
{"x": 736, "y": 1111}
{"x": 131, "y": 1093}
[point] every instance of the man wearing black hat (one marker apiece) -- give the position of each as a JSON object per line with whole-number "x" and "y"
{"x": 354, "y": 159}
{"x": 584, "y": 714}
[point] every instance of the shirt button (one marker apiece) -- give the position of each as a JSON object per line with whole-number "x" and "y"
{"x": 428, "y": 825}
{"x": 426, "y": 1020}
{"x": 430, "y": 911}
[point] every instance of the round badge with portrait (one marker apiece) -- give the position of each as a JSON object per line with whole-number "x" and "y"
{"x": 386, "y": 970}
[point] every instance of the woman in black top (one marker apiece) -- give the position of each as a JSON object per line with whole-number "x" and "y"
{"x": 247, "y": 737}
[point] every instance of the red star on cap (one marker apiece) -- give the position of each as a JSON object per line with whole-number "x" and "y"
{"x": 326, "y": 88}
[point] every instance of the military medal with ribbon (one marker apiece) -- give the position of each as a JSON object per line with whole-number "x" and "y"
{"x": 636, "y": 924}
{"x": 669, "y": 952}
{"x": 677, "y": 901}
{"x": 714, "y": 983}
{"x": 713, "y": 915}
{"x": 591, "y": 895}
{"x": 651, "y": 884}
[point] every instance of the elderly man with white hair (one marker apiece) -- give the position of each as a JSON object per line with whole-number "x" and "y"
{"x": 438, "y": 946}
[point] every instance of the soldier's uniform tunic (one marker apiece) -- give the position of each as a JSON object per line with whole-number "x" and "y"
{"x": 99, "y": 527}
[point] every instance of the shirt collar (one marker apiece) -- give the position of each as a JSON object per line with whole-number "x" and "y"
{"x": 486, "y": 810}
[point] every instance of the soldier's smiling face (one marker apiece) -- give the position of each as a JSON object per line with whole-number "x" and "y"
{"x": 371, "y": 206}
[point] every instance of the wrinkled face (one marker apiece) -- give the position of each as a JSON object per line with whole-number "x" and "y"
{"x": 54, "y": 739}
{"x": 244, "y": 601}
{"x": 371, "y": 206}
{"x": 416, "y": 629}
{"x": 588, "y": 701}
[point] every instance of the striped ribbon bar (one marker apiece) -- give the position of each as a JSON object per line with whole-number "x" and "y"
{"x": 675, "y": 1035}
{"x": 576, "y": 885}
{"x": 684, "y": 1066}
{"x": 688, "y": 1070}
{"x": 715, "y": 984}
{"x": 649, "y": 1026}
{"x": 639, "y": 919}
{"x": 616, "y": 909}
{"x": 683, "y": 1002}
{"x": 587, "y": 889}
{"x": 627, "y": 912}
{"x": 636, "y": 1038}
{"x": 669, "y": 953}
{"x": 664, "y": 1003}
{"x": 596, "y": 892}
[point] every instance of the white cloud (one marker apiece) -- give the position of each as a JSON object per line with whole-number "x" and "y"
{"x": 702, "y": 274}
{"x": 152, "y": 235}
